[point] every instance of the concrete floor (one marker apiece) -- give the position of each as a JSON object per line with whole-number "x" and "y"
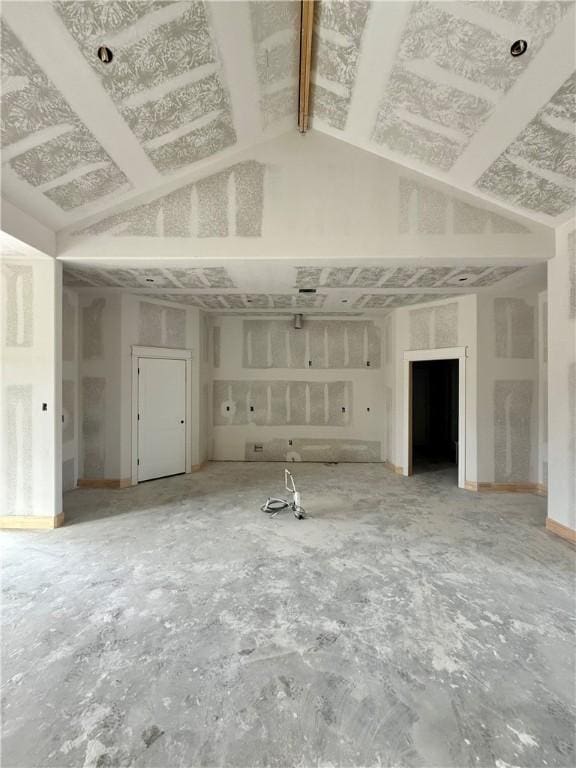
{"x": 406, "y": 623}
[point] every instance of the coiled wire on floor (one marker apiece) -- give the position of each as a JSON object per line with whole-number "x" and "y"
{"x": 273, "y": 506}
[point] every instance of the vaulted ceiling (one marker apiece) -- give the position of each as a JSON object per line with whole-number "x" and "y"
{"x": 431, "y": 85}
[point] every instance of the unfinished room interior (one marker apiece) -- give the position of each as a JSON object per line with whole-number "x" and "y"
{"x": 288, "y": 345}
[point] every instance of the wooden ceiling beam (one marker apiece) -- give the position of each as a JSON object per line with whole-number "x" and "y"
{"x": 306, "y": 28}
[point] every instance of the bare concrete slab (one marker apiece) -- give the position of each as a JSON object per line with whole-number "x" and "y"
{"x": 406, "y": 623}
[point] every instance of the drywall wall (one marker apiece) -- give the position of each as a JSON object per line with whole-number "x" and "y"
{"x": 31, "y": 381}
{"x": 508, "y": 438}
{"x": 70, "y": 389}
{"x": 437, "y": 325}
{"x": 100, "y": 317}
{"x": 314, "y": 394}
{"x": 317, "y": 197}
{"x": 112, "y": 323}
{"x": 562, "y": 379}
{"x": 543, "y": 390}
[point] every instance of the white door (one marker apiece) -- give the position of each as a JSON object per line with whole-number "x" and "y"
{"x": 161, "y": 417}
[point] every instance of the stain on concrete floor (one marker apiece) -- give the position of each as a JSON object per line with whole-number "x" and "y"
{"x": 406, "y": 623}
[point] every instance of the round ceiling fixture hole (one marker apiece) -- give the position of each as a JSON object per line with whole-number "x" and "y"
{"x": 518, "y": 48}
{"x": 105, "y": 54}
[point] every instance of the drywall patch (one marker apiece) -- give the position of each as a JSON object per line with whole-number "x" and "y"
{"x": 160, "y": 326}
{"x": 320, "y": 344}
{"x": 216, "y": 346}
{"x": 471, "y": 220}
{"x": 282, "y": 403}
{"x": 18, "y": 446}
{"x": 93, "y": 425}
{"x": 275, "y": 34}
{"x": 88, "y": 187}
{"x": 68, "y": 328}
{"x": 92, "y": 331}
{"x": 68, "y": 410}
{"x": 196, "y": 210}
{"x": 421, "y": 328}
{"x": 422, "y": 209}
{"x": 434, "y": 327}
{"x": 399, "y": 277}
{"x": 514, "y": 328}
{"x": 309, "y": 449}
{"x": 190, "y": 277}
{"x": 446, "y": 325}
{"x": 512, "y": 430}
{"x": 18, "y": 302}
{"x": 68, "y": 475}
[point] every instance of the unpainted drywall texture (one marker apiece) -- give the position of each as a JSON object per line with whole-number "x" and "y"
{"x": 28, "y": 475}
{"x": 512, "y": 430}
{"x": 227, "y": 203}
{"x": 283, "y": 403}
{"x": 313, "y": 449}
{"x": 176, "y": 126}
{"x": 94, "y": 426}
{"x": 514, "y": 328}
{"x": 423, "y": 113}
{"x": 61, "y": 143}
{"x": 434, "y": 327}
{"x": 92, "y": 331}
{"x": 70, "y": 376}
{"x": 338, "y": 30}
{"x": 425, "y": 210}
{"x": 18, "y": 298}
{"x": 18, "y": 449}
{"x": 161, "y": 326}
{"x": 320, "y": 344}
{"x": 266, "y": 393}
{"x": 562, "y": 380}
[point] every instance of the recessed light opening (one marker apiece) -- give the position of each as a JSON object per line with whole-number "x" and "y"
{"x": 105, "y": 54}
{"x": 518, "y": 48}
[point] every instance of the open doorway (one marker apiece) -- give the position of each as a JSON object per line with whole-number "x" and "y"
{"x": 435, "y": 414}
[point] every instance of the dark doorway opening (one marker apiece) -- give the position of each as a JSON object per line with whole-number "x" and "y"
{"x": 434, "y": 415}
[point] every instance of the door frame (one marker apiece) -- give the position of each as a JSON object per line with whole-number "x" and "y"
{"x": 166, "y": 354}
{"x": 447, "y": 353}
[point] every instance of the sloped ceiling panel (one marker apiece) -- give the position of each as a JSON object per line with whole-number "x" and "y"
{"x": 538, "y": 170}
{"x": 63, "y": 160}
{"x": 449, "y": 74}
{"x": 165, "y": 78}
{"x": 338, "y": 33}
{"x": 275, "y": 32}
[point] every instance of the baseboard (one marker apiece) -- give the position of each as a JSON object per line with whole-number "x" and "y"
{"x": 561, "y": 530}
{"x": 501, "y": 487}
{"x": 38, "y": 522}
{"x": 97, "y": 482}
{"x": 198, "y": 467}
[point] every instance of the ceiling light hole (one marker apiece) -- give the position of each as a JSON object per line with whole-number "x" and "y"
{"x": 344, "y": 301}
{"x": 105, "y": 54}
{"x": 518, "y": 48}
{"x": 462, "y": 279}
